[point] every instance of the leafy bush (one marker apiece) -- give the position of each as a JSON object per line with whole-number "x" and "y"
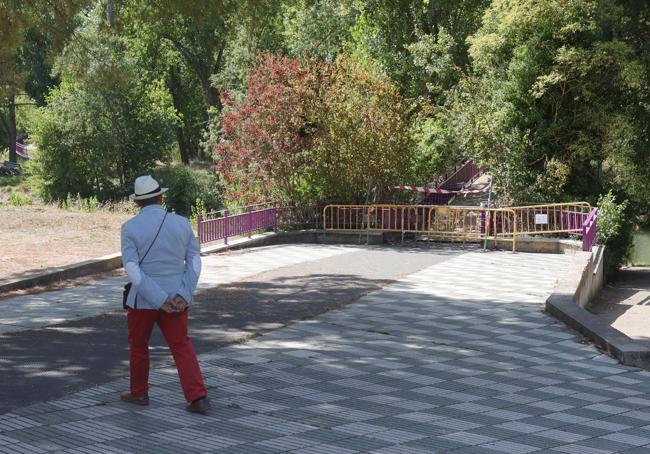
{"x": 614, "y": 231}
{"x": 308, "y": 131}
{"x": 187, "y": 186}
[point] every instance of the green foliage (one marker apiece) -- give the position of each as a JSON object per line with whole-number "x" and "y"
{"x": 197, "y": 208}
{"x": 89, "y": 205}
{"x": 189, "y": 188}
{"x": 103, "y": 125}
{"x": 553, "y": 103}
{"x": 437, "y": 146}
{"x": 15, "y": 199}
{"x": 615, "y": 226}
{"x": 317, "y": 28}
{"x": 420, "y": 45}
{"x": 362, "y": 135}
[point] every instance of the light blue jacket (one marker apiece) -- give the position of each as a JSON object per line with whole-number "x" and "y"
{"x": 172, "y": 266}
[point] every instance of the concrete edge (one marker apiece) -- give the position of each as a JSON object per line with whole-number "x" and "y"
{"x": 581, "y": 283}
{"x": 537, "y": 245}
{"x": 85, "y": 268}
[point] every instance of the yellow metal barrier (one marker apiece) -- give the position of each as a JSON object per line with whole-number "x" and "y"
{"x": 449, "y": 223}
{"x": 551, "y": 218}
{"x": 443, "y": 222}
{"x": 345, "y": 217}
{"x": 398, "y": 218}
{"x": 446, "y": 223}
{"x": 503, "y": 225}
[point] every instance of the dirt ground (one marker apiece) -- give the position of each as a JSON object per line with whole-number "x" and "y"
{"x": 36, "y": 238}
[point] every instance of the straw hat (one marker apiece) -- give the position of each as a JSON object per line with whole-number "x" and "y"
{"x": 146, "y": 187}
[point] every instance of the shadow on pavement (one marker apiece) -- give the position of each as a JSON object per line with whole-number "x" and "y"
{"x": 43, "y": 364}
{"x": 624, "y": 303}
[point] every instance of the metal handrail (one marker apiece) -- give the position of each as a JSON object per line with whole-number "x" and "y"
{"x": 552, "y": 218}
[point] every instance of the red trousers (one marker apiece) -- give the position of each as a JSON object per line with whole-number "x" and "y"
{"x": 174, "y": 328}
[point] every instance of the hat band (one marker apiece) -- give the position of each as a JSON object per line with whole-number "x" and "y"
{"x": 150, "y": 192}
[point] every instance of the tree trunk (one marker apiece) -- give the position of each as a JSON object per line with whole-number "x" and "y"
{"x": 11, "y": 133}
{"x": 182, "y": 145}
{"x": 210, "y": 95}
{"x": 175, "y": 88}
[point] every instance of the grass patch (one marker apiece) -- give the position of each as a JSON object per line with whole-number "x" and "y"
{"x": 246, "y": 338}
{"x": 17, "y": 200}
{"x": 11, "y": 181}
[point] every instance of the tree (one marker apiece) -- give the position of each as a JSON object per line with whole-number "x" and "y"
{"x": 361, "y": 136}
{"x": 409, "y": 39}
{"x": 309, "y": 131}
{"x": 319, "y": 29}
{"x": 105, "y": 123}
{"x": 191, "y": 44}
{"x": 553, "y": 103}
{"x": 263, "y": 154}
{"x": 32, "y": 31}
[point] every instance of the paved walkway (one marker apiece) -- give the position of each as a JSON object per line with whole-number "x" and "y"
{"x": 44, "y": 309}
{"x": 303, "y": 281}
{"x": 458, "y": 357}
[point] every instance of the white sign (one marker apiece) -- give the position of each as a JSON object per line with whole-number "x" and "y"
{"x": 541, "y": 219}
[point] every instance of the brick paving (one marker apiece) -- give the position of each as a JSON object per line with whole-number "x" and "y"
{"x": 456, "y": 358}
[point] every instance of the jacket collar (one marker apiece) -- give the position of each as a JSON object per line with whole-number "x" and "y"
{"x": 151, "y": 208}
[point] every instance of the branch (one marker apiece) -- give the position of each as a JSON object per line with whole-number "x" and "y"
{"x": 20, "y": 104}
{"x": 217, "y": 63}
{"x": 4, "y": 124}
{"x": 187, "y": 55}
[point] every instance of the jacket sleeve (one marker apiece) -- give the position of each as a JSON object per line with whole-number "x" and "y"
{"x": 192, "y": 267}
{"x": 142, "y": 283}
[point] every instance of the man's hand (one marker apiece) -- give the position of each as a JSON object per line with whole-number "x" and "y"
{"x": 179, "y": 303}
{"x": 168, "y": 306}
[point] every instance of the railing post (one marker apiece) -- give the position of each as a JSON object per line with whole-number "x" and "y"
{"x": 514, "y": 232}
{"x": 199, "y": 227}
{"x": 275, "y": 217}
{"x": 225, "y": 227}
{"x": 250, "y": 222}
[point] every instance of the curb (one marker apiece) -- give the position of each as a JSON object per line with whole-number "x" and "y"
{"x": 614, "y": 342}
{"x": 563, "y": 305}
{"x": 85, "y": 268}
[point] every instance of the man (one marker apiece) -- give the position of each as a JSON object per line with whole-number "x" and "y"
{"x": 161, "y": 257}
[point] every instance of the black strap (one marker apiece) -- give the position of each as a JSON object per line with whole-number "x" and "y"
{"x": 154, "y": 239}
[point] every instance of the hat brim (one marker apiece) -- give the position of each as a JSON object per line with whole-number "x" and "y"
{"x": 148, "y": 196}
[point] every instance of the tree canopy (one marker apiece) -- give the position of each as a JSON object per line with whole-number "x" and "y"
{"x": 306, "y": 99}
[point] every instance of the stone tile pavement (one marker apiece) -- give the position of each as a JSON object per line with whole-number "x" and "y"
{"x": 44, "y": 309}
{"x": 456, "y": 358}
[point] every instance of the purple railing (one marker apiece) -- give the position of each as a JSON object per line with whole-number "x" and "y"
{"x": 590, "y": 230}
{"x": 461, "y": 174}
{"x": 21, "y": 150}
{"x": 234, "y": 222}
